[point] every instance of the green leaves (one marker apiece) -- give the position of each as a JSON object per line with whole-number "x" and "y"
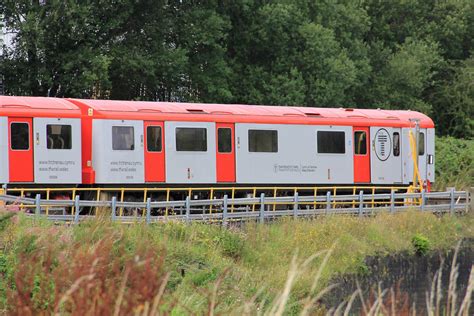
{"x": 400, "y": 55}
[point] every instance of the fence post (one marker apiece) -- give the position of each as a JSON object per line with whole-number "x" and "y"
{"x": 148, "y": 210}
{"x": 295, "y": 206}
{"x": 114, "y": 208}
{"x": 328, "y": 202}
{"x": 470, "y": 199}
{"x": 76, "y": 205}
{"x": 451, "y": 204}
{"x": 361, "y": 202}
{"x": 262, "y": 208}
{"x": 188, "y": 209}
{"x": 392, "y": 201}
{"x": 224, "y": 211}
{"x": 423, "y": 200}
{"x": 38, "y": 205}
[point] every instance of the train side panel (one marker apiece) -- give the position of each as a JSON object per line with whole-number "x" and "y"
{"x": 118, "y": 151}
{"x": 386, "y": 155}
{"x": 4, "y": 150}
{"x": 57, "y": 150}
{"x": 294, "y": 158}
{"x": 190, "y": 152}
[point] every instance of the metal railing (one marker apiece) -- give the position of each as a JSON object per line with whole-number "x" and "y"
{"x": 240, "y": 209}
{"x": 169, "y": 193}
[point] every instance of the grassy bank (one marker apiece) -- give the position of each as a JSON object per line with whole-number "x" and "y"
{"x": 101, "y": 267}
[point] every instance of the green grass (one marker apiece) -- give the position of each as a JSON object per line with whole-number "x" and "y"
{"x": 203, "y": 266}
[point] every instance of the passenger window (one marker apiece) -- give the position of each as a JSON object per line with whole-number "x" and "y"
{"x": 421, "y": 144}
{"x": 191, "y": 139}
{"x": 331, "y": 142}
{"x": 20, "y": 136}
{"x": 263, "y": 141}
{"x": 360, "y": 143}
{"x": 59, "y": 136}
{"x": 123, "y": 138}
{"x": 224, "y": 140}
{"x": 396, "y": 144}
{"x": 153, "y": 139}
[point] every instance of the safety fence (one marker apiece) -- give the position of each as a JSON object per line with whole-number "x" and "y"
{"x": 225, "y": 210}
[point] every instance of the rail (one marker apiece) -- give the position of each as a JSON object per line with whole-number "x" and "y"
{"x": 239, "y": 209}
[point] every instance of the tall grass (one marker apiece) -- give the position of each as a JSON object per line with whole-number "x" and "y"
{"x": 99, "y": 267}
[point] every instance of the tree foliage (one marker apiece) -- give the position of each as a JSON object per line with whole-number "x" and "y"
{"x": 390, "y": 54}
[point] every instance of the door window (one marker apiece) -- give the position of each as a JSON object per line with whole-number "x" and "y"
{"x": 360, "y": 143}
{"x": 153, "y": 138}
{"x": 20, "y": 136}
{"x": 224, "y": 140}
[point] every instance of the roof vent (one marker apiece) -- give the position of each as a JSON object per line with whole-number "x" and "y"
{"x": 312, "y": 114}
{"x": 349, "y": 109}
{"x": 195, "y": 111}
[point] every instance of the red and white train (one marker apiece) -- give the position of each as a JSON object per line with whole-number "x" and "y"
{"x": 47, "y": 141}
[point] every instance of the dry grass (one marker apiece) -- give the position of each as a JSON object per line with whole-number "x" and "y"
{"x": 102, "y": 268}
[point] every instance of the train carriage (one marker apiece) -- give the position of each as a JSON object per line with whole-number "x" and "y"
{"x": 102, "y": 142}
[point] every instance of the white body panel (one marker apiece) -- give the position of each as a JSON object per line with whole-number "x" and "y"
{"x": 190, "y": 166}
{"x": 57, "y": 165}
{"x": 385, "y": 166}
{"x": 4, "y": 167}
{"x": 117, "y": 166}
{"x": 297, "y": 160}
{"x": 408, "y": 155}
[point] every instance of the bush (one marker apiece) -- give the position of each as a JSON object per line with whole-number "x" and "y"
{"x": 421, "y": 244}
{"x": 454, "y": 162}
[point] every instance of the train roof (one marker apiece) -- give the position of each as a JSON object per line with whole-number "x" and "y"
{"x": 37, "y": 107}
{"x": 252, "y": 113}
{"x": 43, "y": 107}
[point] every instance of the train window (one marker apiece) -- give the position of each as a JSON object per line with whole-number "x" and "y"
{"x": 224, "y": 140}
{"x": 331, "y": 142}
{"x": 123, "y": 138}
{"x": 191, "y": 139}
{"x": 263, "y": 141}
{"x": 153, "y": 139}
{"x": 396, "y": 144}
{"x": 421, "y": 144}
{"x": 59, "y": 136}
{"x": 360, "y": 143}
{"x": 20, "y": 136}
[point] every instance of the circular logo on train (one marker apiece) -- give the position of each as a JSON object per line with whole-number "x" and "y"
{"x": 383, "y": 144}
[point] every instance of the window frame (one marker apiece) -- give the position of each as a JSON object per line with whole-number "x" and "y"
{"x": 330, "y": 153}
{"x": 161, "y": 139}
{"x": 230, "y": 138}
{"x": 194, "y": 128}
{"x": 133, "y": 137}
{"x": 70, "y": 136}
{"x": 29, "y": 136}
{"x": 272, "y": 131}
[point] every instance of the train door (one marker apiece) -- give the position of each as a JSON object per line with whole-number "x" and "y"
{"x": 154, "y": 152}
{"x": 20, "y": 149}
{"x": 396, "y": 176}
{"x": 361, "y": 155}
{"x": 225, "y": 159}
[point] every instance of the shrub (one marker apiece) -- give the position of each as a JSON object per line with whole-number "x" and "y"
{"x": 421, "y": 244}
